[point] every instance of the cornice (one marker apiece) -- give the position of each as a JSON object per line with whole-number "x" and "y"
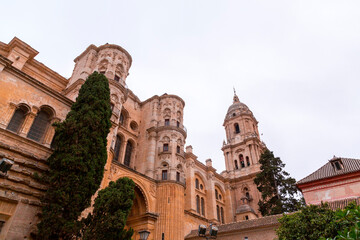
{"x": 32, "y": 81}
{"x": 16, "y": 42}
{"x": 97, "y": 49}
{"x": 231, "y": 146}
{"x": 162, "y": 97}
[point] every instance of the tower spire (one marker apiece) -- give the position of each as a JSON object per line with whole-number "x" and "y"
{"x": 236, "y": 99}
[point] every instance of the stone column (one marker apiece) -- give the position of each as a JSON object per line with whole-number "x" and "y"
{"x": 150, "y": 159}
{"x": 210, "y": 196}
{"x": 229, "y": 209}
{"x": 170, "y": 206}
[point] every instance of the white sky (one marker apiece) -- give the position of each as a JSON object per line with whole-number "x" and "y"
{"x": 294, "y": 63}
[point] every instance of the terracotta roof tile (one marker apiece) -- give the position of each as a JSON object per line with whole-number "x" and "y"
{"x": 243, "y": 225}
{"x": 329, "y": 170}
{"x": 341, "y": 204}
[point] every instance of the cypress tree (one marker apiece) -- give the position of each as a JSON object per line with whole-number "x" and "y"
{"x": 111, "y": 209}
{"x": 76, "y": 166}
{"x": 279, "y": 193}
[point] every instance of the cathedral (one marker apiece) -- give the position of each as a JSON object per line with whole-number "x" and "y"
{"x": 175, "y": 192}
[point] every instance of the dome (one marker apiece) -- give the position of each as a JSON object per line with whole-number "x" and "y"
{"x": 237, "y": 108}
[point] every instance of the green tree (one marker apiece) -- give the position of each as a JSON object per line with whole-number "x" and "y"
{"x": 310, "y": 223}
{"x": 279, "y": 193}
{"x": 111, "y": 209}
{"x": 77, "y": 164}
{"x": 349, "y": 223}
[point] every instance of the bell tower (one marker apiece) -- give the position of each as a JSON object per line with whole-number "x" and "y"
{"x": 242, "y": 146}
{"x": 242, "y": 150}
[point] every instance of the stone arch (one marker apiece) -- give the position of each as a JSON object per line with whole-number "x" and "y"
{"x": 200, "y": 176}
{"x": 49, "y": 110}
{"x": 222, "y": 190}
{"x": 25, "y": 107}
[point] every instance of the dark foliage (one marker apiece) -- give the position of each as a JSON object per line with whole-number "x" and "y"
{"x": 111, "y": 209}
{"x": 279, "y": 193}
{"x": 77, "y": 163}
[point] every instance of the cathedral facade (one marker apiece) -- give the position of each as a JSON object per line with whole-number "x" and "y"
{"x": 175, "y": 192}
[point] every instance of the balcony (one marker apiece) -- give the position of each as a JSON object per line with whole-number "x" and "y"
{"x": 168, "y": 125}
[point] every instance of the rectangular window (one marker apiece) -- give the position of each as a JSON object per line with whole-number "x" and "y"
{"x": 167, "y": 122}
{"x": 178, "y": 149}
{"x": 165, "y": 147}
{"x": 178, "y": 124}
{"x": 178, "y": 176}
{"x": 164, "y": 175}
{"x": 162, "y": 236}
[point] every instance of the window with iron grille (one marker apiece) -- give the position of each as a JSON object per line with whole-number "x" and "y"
{"x": 16, "y": 120}
{"x": 39, "y": 126}
{"x": 202, "y": 207}
{"x": 197, "y": 204}
{"x": 128, "y": 154}
{"x": 117, "y": 148}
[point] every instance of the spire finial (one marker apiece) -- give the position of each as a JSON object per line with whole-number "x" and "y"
{"x": 236, "y": 99}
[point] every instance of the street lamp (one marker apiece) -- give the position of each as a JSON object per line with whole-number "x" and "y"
{"x": 213, "y": 230}
{"x": 144, "y": 234}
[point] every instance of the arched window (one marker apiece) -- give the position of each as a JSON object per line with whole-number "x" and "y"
{"x": 247, "y": 195}
{"x": 237, "y": 128}
{"x": 236, "y": 165}
{"x": 197, "y": 204}
{"x": 242, "y": 163}
{"x": 17, "y": 120}
{"x": 216, "y": 194}
{"x": 177, "y": 176}
{"x": 128, "y": 153}
{"x": 218, "y": 212}
{"x": 39, "y": 126}
{"x": 122, "y": 118}
{"x": 117, "y": 148}
{"x": 247, "y": 161}
{"x": 222, "y": 215}
{"x": 202, "y": 207}
{"x": 197, "y": 183}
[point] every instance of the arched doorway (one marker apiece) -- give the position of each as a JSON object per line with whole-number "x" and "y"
{"x": 140, "y": 218}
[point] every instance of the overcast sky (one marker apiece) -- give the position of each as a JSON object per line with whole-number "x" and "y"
{"x": 295, "y": 64}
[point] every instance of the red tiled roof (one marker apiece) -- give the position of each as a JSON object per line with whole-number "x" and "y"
{"x": 329, "y": 170}
{"x": 243, "y": 225}
{"x": 341, "y": 204}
